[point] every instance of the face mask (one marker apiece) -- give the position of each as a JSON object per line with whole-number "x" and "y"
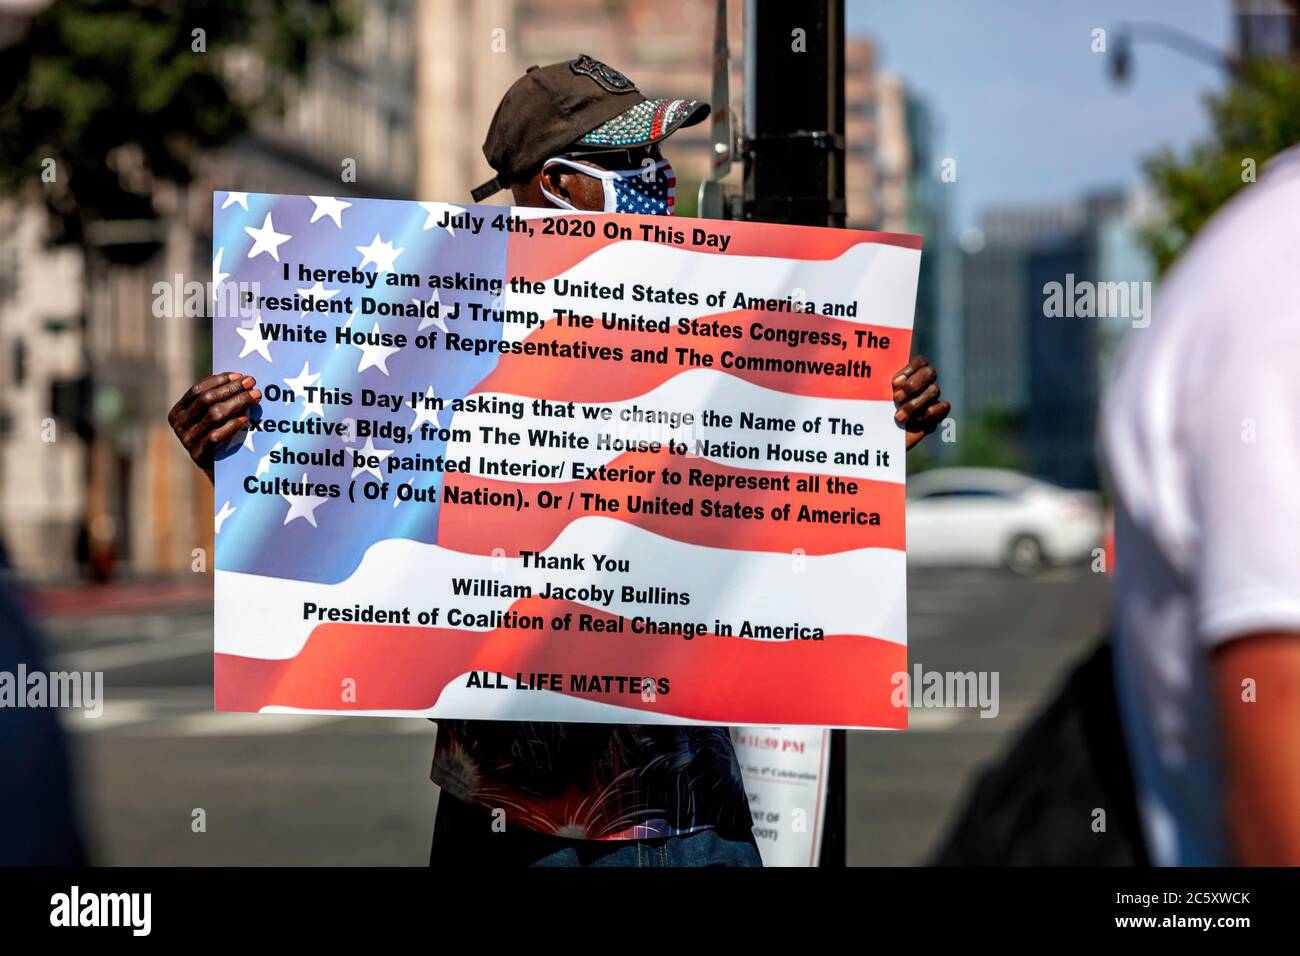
{"x": 626, "y": 190}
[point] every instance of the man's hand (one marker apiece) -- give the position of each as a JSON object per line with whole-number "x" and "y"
{"x": 916, "y": 394}
{"x": 211, "y": 412}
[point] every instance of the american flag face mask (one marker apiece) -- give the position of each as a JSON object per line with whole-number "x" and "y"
{"x": 645, "y": 191}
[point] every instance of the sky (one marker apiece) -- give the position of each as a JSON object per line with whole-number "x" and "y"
{"x": 1025, "y": 106}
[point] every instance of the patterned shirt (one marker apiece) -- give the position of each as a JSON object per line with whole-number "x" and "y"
{"x": 594, "y": 781}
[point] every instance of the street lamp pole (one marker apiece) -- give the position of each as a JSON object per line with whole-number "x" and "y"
{"x": 1170, "y": 37}
{"x": 794, "y": 112}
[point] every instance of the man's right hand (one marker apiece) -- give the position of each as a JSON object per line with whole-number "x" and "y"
{"x": 211, "y": 412}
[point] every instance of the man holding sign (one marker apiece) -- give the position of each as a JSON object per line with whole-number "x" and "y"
{"x": 576, "y": 135}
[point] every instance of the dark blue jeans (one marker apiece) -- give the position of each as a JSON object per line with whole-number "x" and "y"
{"x": 463, "y": 837}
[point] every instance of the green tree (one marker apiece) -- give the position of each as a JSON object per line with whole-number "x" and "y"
{"x": 1257, "y": 116}
{"x": 101, "y": 100}
{"x": 989, "y": 441}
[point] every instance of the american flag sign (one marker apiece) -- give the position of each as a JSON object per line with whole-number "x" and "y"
{"x": 516, "y": 464}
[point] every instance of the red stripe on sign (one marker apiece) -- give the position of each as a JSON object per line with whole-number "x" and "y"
{"x": 538, "y": 260}
{"x": 853, "y": 681}
{"x": 582, "y": 378}
{"x": 819, "y": 522}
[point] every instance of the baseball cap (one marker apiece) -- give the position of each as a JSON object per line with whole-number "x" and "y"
{"x": 579, "y": 102}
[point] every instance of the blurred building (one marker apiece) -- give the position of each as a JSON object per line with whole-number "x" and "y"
{"x": 467, "y": 55}
{"x": 859, "y": 131}
{"x": 995, "y": 310}
{"x": 1267, "y": 29}
{"x": 894, "y": 182}
{"x": 1060, "y": 416}
{"x": 86, "y": 361}
{"x": 890, "y": 159}
{"x": 937, "y": 326}
{"x": 1046, "y": 372}
{"x": 42, "y": 460}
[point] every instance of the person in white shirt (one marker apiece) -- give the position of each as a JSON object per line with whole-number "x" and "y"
{"x": 1201, "y": 434}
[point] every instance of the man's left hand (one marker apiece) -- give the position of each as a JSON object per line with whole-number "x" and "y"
{"x": 916, "y": 395}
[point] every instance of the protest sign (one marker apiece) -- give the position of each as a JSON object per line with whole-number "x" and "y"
{"x": 784, "y": 769}
{"x": 516, "y": 464}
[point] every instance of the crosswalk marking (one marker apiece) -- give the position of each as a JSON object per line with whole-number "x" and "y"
{"x": 214, "y": 724}
{"x": 128, "y": 654}
{"x": 122, "y": 712}
{"x": 932, "y": 720}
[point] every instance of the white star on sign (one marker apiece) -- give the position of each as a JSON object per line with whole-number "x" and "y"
{"x": 366, "y": 452}
{"x": 329, "y": 206}
{"x": 303, "y": 379}
{"x": 397, "y": 499}
{"x": 317, "y": 291}
{"x": 375, "y": 355}
{"x": 218, "y": 276}
{"x": 303, "y": 506}
{"x": 381, "y": 253}
{"x": 254, "y": 340}
{"x": 225, "y": 512}
{"x": 436, "y": 211}
{"x": 313, "y": 406}
{"x": 266, "y": 239}
{"x": 264, "y": 465}
{"x": 428, "y": 320}
{"x": 424, "y": 412}
{"x": 232, "y": 198}
{"x": 346, "y": 325}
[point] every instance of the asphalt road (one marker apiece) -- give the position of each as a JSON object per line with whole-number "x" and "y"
{"x": 164, "y": 780}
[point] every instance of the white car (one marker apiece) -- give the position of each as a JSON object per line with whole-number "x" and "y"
{"x": 987, "y": 517}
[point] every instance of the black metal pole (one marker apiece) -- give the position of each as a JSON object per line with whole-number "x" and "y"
{"x": 794, "y": 112}
{"x": 794, "y": 173}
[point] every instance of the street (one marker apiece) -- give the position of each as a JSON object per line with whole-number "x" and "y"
{"x": 164, "y": 780}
